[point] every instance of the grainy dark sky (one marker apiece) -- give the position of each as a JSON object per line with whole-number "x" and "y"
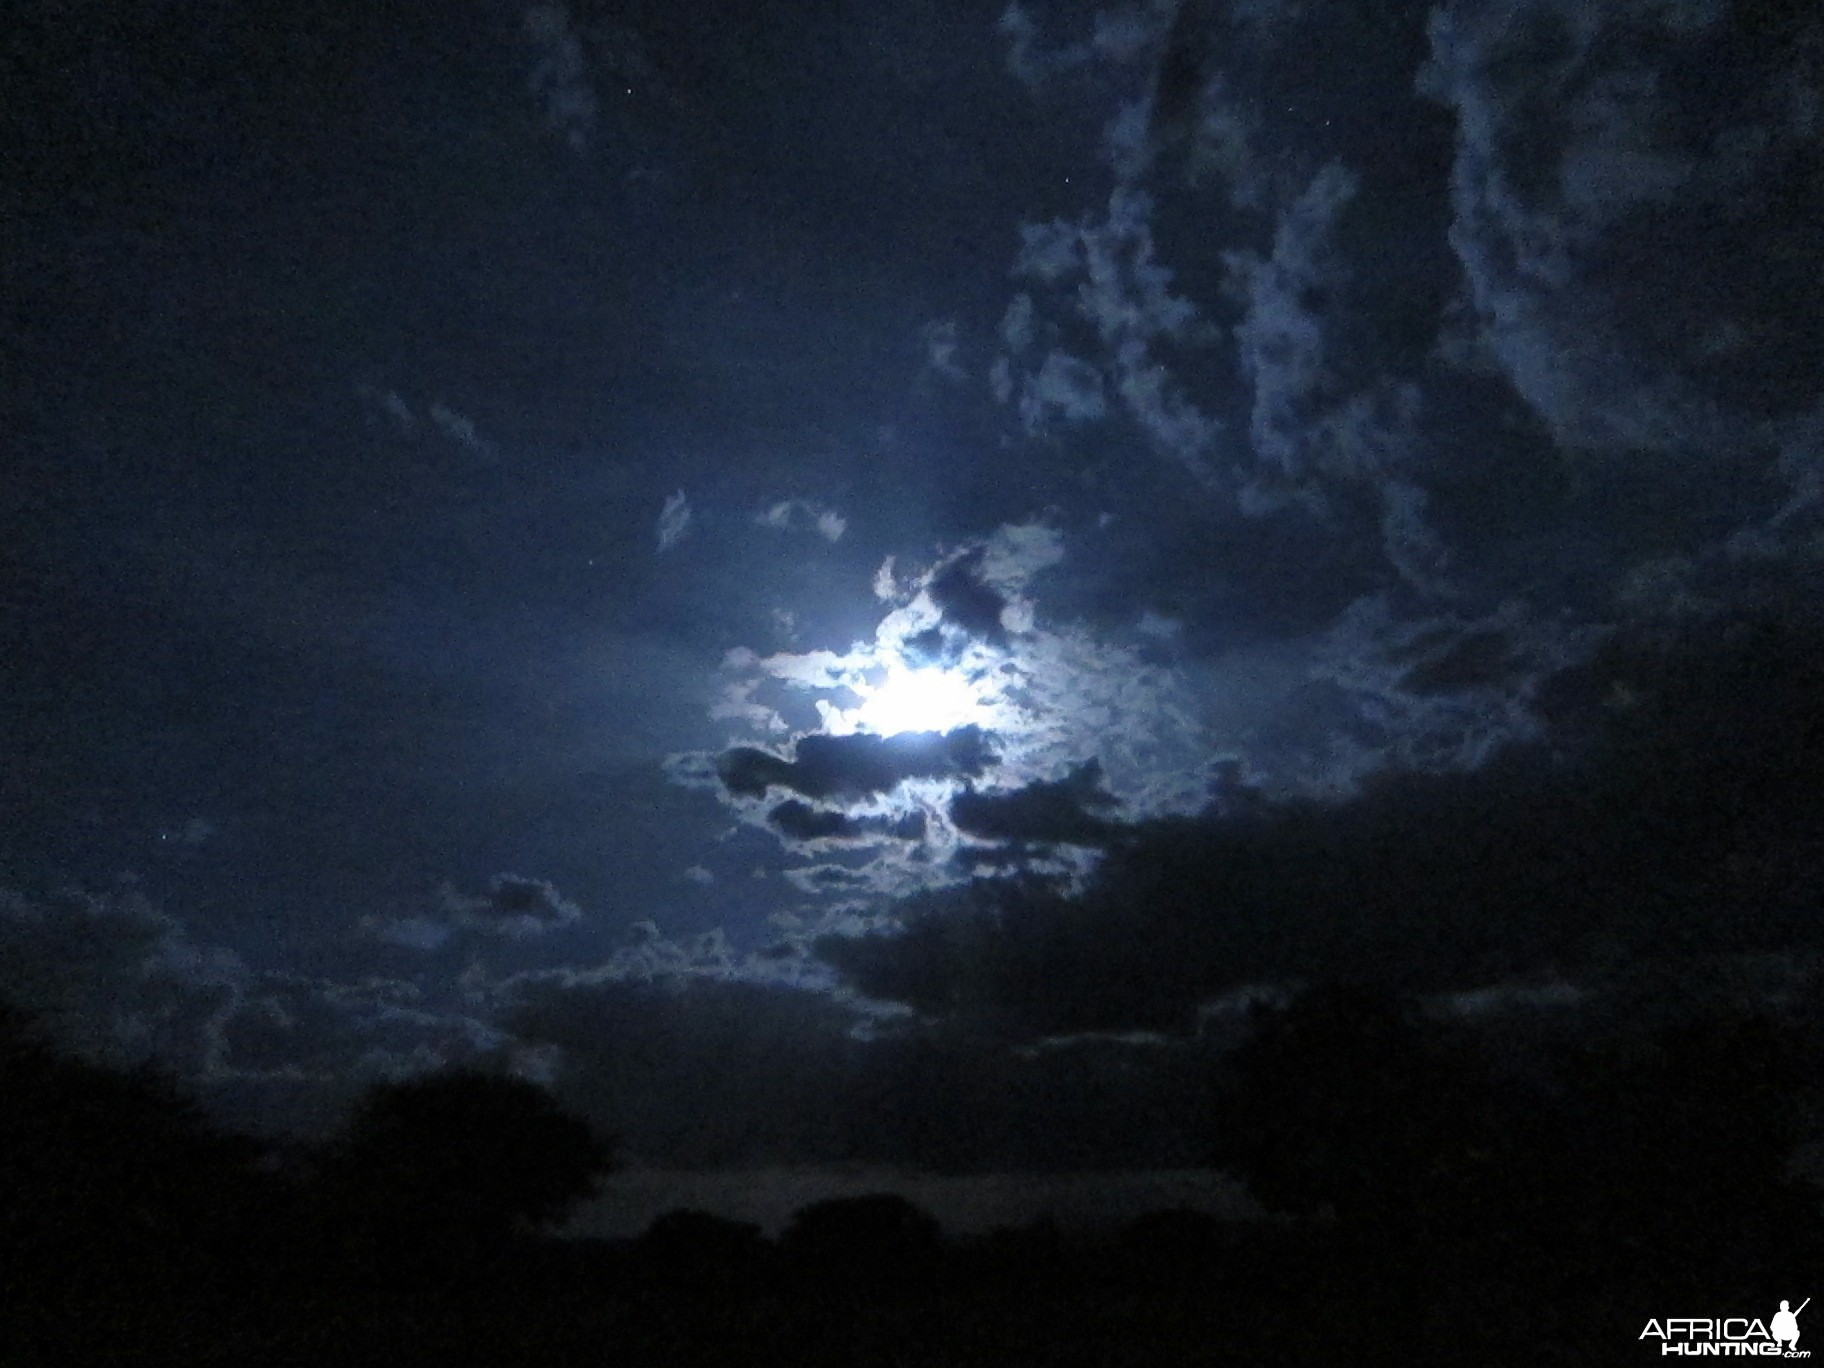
{"x": 835, "y": 578}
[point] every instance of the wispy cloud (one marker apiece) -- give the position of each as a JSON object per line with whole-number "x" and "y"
{"x": 460, "y": 429}
{"x": 674, "y": 521}
{"x": 943, "y": 345}
{"x": 1064, "y": 387}
{"x": 1127, "y": 295}
{"x": 1281, "y": 338}
{"x": 1118, "y": 36}
{"x": 789, "y": 515}
{"x": 559, "y": 78}
{"x": 1612, "y": 135}
{"x": 438, "y": 417}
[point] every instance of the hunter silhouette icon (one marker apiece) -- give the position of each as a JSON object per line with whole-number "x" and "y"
{"x": 1785, "y": 1325}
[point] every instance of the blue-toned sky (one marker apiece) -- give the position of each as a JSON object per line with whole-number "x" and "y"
{"x": 841, "y": 581}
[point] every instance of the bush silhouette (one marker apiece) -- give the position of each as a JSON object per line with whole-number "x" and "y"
{"x": 698, "y": 1249}
{"x": 858, "y": 1234}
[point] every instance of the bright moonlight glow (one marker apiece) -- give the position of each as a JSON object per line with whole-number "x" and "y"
{"x": 926, "y": 700}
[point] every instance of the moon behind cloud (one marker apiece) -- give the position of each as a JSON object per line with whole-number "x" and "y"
{"x": 928, "y": 699}
{"x": 1053, "y": 699}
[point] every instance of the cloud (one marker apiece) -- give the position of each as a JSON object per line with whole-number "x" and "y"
{"x": 1016, "y": 330}
{"x": 1117, "y": 37}
{"x": 460, "y": 430}
{"x": 1158, "y": 626}
{"x": 942, "y": 339}
{"x": 513, "y": 906}
{"x": 1017, "y": 552}
{"x": 1564, "y": 159}
{"x": 195, "y": 832}
{"x": 1675, "y": 825}
{"x": 799, "y": 821}
{"x": 1225, "y": 144}
{"x": 1040, "y": 702}
{"x": 706, "y": 1071}
{"x": 1064, "y": 387}
{"x": 1334, "y": 443}
{"x": 1566, "y": 164}
{"x": 690, "y": 1051}
{"x": 965, "y": 600}
{"x": 694, "y": 1071}
{"x": 559, "y": 78}
{"x": 1030, "y": 63}
{"x": 388, "y": 405}
{"x": 856, "y": 766}
{"x": 1016, "y": 1021}
{"x": 792, "y": 515}
{"x": 1281, "y": 338}
{"x": 1444, "y": 691}
{"x": 438, "y": 418}
{"x": 114, "y": 977}
{"x": 1049, "y": 252}
{"x": 411, "y": 933}
{"x": 1127, "y": 295}
{"x": 674, "y": 521}
{"x": 1061, "y": 811}
{"x": 1412, "y": 545}
{"x": 307, "y": 1029}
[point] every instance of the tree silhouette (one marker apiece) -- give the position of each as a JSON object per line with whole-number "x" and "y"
{"x": 444, "y": 1171}
{"x": 119, "y": 1203}
{"x": 1345, "y": 1102}
{"x": 1680, "y": 1146}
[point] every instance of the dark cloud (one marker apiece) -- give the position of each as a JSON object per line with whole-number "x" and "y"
{"x": 321, "y": 1039}
{"x": 696, "y": 1071}
{"x": 701, "y": 1071}
{"x": 1062, "y": 810}
{"x": 1682, "y": 829}
{"x": 116, "y": 978}
{"x": 966, "y": 601}
{"x": 1474, "y": 659}
{"x": 860, "y": 765}
{"x": 510, "y": 896}
{"x": 1444, "y": 691}
{"x": 1614, "y": 344}
{"x": 511, "y": 906}
{"x": 1184, "y": 70}
{"x": 800, "y": 821}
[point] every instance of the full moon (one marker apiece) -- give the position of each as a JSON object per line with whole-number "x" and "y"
{"x": 919, "y": 700}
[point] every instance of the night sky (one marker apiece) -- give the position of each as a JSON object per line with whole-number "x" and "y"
{"x": 846, "y": 583}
